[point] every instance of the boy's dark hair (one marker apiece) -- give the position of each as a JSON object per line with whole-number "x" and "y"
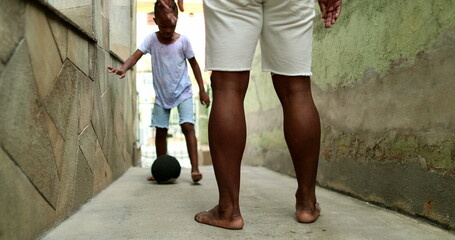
{"x": 158, "y": 8}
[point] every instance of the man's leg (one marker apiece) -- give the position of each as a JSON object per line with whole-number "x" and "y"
{"x": 191, "y": 145}
{"x": 302, "y": 133}
{"x": 227, "y": 138}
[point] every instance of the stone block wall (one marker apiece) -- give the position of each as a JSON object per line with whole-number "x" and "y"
{"x": 67, "y": 127}
{"x": 383, "y": 84}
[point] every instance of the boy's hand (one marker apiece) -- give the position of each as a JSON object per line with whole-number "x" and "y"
{"x": 330, "y": 10}
{"x": 204, "y": 97}
{"x": 117, "y": 71}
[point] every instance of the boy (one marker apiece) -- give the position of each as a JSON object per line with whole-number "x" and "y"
{"x": 171, "y": 82}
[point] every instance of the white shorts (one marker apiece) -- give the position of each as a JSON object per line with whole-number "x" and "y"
{"x": 284, "y": 27}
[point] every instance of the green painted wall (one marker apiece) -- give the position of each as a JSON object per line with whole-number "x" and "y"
{"x": 383, "y": 84}
{"x": 388, "y": 34}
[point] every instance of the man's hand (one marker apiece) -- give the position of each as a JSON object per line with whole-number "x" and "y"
{"x": 166, "y": 11}
{"x": 204, "y": 98}
{"x": 330, "y": 10}
{"x": 117, "y": 71}
{"x": 168, "y": 4}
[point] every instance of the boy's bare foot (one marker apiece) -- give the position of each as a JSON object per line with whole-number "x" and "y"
{"x": 216, "y": 218}
{"x": 306, "y": 215}
{"x": 196, "y": 176}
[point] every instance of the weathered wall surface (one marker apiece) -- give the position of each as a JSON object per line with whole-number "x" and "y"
{"x": 67, "y": 127}
{"x": 383, "y": 83}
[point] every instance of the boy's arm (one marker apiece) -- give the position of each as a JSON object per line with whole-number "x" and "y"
{"x": 203, "y": 96}
{"x": 129, "y": 63}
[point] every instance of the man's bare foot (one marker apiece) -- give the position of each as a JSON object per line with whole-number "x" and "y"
{"x": 196, "y": 176}
{"x": 215, "y": 218}
{"x": 308, "y": 215}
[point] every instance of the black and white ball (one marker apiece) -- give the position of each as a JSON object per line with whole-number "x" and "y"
{"x": 166, "y": 169}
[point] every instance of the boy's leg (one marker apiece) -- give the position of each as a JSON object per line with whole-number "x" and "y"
{"x": 227, "y": 138}
{"x": 191, "y": 145}
{"x": 186, "y": 115}
{"x": 161, "y": 141}
{"x": 160, "y": 120}
{"x": 302, "y": 134}
{"x": 160, "y": 144}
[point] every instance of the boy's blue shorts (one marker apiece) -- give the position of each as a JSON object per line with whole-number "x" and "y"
{"x": 160, "y": 115}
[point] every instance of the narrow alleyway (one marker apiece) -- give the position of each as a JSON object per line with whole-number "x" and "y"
{"x": 132, "y": 208}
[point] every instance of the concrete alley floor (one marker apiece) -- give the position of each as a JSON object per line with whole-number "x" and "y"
{"x": 132, "y": 208}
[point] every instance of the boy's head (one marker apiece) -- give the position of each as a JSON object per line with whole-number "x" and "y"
{"x": 166, "y": 18}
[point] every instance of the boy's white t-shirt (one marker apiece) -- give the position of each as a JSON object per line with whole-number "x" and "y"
{"x": 169, "y": 69}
